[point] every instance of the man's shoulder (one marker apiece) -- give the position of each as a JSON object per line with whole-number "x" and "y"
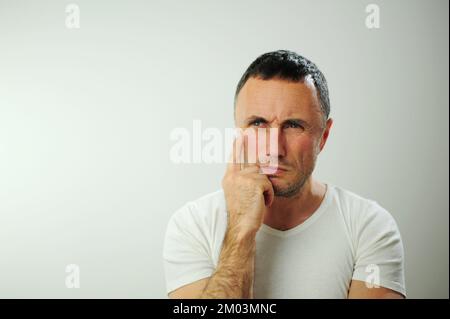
{"x": 348, "y": 197}
{"x": 357, "y": 208}
{"x": 213, "y": 199}
{"x": 206, "y": 209}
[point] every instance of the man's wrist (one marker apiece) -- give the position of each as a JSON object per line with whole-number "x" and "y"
{"x": 241, "y": 235}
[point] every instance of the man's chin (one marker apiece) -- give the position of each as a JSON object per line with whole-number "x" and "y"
{"x": 279, "y": 187}
{"x": 282, "y": 188}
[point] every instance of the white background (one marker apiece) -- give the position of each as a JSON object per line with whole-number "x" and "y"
{"x": 86, "y": 116}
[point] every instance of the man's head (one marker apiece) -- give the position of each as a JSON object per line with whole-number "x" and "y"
{"x": 286, "y": 91}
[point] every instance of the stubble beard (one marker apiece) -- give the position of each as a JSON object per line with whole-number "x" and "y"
{"x": 294, "y": 188}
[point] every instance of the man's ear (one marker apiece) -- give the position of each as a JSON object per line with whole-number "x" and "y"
{"x": 325, "y": 133}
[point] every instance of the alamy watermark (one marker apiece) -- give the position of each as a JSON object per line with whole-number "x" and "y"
{"x": 73, "y": 16}
{"x": 373, "y": 277}
{"x": 211, "y": 145}
{"x": 373, "y": 16}
{"x": 73, "y": 276}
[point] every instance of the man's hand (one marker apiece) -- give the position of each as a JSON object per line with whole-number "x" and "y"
{"x": 248, "y": 193}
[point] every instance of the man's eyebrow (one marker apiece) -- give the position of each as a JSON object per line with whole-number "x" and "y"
{"x": 255, "y": 118}
{"x": 298, "y": 122}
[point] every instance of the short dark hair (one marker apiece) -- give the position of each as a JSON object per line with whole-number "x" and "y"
{"x": 290, "y": 66}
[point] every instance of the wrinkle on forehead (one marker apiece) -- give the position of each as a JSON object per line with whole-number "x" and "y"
{"x": 276, "y": 99}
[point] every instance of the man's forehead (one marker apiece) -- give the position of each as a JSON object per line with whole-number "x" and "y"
{"x": 277, "y": 95}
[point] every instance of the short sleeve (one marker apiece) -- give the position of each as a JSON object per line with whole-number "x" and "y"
{"x": 186, "y": 254}
{"x": 379, "y": 250}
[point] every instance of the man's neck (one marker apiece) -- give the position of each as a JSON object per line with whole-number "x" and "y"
{"x": 286, "y": 213}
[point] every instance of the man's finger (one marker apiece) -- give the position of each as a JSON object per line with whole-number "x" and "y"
{"x": 234, "y": 161}
{"x": 244, "y": 155}
{"x": 269, "y": 194}
{"x": 251, "y": 148}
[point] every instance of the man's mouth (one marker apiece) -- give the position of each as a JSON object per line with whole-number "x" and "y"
{"x": 272, "y": 170}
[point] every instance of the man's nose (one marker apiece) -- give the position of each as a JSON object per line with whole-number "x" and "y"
{"x": 272, "y": 143}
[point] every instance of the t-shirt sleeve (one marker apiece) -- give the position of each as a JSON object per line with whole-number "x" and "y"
{"x": 379, "y": 250}
{"x": 186, "y": 254}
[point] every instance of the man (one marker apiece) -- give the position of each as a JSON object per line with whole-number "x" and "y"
{"x": 283, "y": 234}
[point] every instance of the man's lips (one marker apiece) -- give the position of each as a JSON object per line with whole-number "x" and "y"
{"x": 272, "y": 170}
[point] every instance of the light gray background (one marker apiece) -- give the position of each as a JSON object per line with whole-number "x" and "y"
{"x": 85, "y": 118}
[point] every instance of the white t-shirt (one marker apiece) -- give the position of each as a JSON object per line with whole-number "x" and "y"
{"x": 347, "y": 237}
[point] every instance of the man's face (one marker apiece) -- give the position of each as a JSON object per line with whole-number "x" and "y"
{"x": 294, "y": 109}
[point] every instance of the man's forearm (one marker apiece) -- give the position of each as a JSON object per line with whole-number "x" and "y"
{"x": 234, "y": 275}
